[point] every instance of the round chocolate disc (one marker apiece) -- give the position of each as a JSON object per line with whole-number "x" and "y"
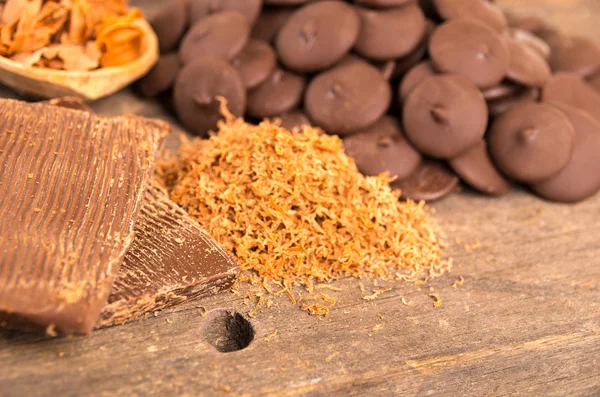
{"x": 415, "y": 76}
{"x": 415, "y": 56}
{"x": 200, "y": 9}
{"x": 503, "y": 104}
{"x": 570, "y": 89}
{"x": 502, "y": 90}
{"x": 161, "y": 77}
{"x": 430, "y": 181}
{"x": 445, "y": 115}
{"x": 531, "y": 40}
{"x": 196, "y": 90}
{"x": 526, "y": 67}
{"x": 293, "y": 120}
{"x": 170, "y": 24}
{"x": 269, "y": 22}
{"x": 382, "y": 147}
{"x": 223, "y": 35}
{"x": 475, "y": 167}
{"x": 580, "y": 55}
{"x": 532, "y": 142}
{"x": 485, "y": 12}
{"x": 580, "y": 179}
{"x": 391, "y": 33}
{"x": 255, "y": 63}
{"x": 347, "y": 98}
{"x": 317, "y": 36}
{"x": 280, "y": 92}
{"x": 468, "y": 48}
{"x": 384, "y": 3}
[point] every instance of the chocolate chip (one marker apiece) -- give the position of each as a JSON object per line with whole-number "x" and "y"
{"x": 472, "y": 50}
{"x": 526, "y": 67}
{"x": 531, "y": 40}
{"x": 415, "y": 76}
{"x": 200, "y": 9}
{"x": 532, "y": 142}
{"x": 571, "y": 89}
{"x": 445, "y": 115}
{"x": 317, "y": 36}
{"x": 389, "y": 33}
{"x": 574, "y": 54}
{"x": 255, "y": 63}
{"x": 270, "y": 21}
{"x": 485, "y": 12}
{"x": 170, "y": 24}
{"x": 280, "y": 92}
{"x": 162, "y": 76}
{"x": 294, "y": 119}
{"x": 430, "y": 181}
{"x": 196, "y": 90}
{"x": 223, "y": 35}
{"x": 335, "y": 99}
{"x": 580, "y": 178}
{"x": 383, "y": 147}
{"x": 475, "y": 167}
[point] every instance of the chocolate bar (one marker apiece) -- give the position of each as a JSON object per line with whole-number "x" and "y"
{"x": 71, "y": 188}
{"x": 171, "y": 259}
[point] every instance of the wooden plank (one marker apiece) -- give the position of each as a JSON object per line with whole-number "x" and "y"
{"x": 526, "y": 322}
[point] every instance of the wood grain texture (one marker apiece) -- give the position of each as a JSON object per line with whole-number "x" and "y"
{"x": 526, "y": 322}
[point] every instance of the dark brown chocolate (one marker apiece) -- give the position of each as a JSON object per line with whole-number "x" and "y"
{"x": 317, "y": 36}
{"x": 170, "y": 24}
{"x": 279, "y": 93}
{"x": 255, "y": 63}
{"x": 431, "y": 181}
{"x": 72, "y": 190}
{"x": 200, "y": 9}
{"x": 485, "y": 12}
{"x": 171, "y": 260}
{"x": 569, "y": 88}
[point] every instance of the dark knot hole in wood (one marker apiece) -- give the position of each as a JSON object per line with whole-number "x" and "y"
{"x": 228, "y": 331}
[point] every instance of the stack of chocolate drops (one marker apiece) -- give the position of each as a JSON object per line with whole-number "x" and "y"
{"x": 87, "y": 239}
{"x": 425, "y": 90}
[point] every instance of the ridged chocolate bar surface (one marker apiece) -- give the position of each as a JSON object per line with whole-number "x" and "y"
{"x": 171, "y": 259}
{"x": 71, "y": 190}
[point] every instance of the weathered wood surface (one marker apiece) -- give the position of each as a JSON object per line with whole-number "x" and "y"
{"x": 526, "y": 322}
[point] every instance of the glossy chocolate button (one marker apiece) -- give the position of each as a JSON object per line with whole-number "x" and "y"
{"x": 570, "y": 89}
{"x": 523, "y": 96}
{"x": 347, "y": 98}
{"x": 384, "y": 3}
{"x": 170, "y": 24}
{"x": 415, "y": 56}
{"x": 430, "y": 181}
{"x": 526, "y": 66}
{"x": 255, "y": 63}
{"x": 222, "y": 35}
{"x": 161, "y": 77}
{"x": 200, "y": 9}
{"x": 467, "y": 48}
{"x": 444, "y": 116}
{"x": 580, "y": 179}
{"x": 269, "y": 22}
{"x": 485, "y": 12}
{"x": 531, "y": 40}
{"x": 293, "y": 120}
{"x": 196, "y": 90}
{"x": 574, "y": 54}
{"x": 317, "y": 36}
{"x": 475, "y": 167}
{"x": 415, "y": 76}
{"x": 390, "y": 33}
{"x": 383, "y": 147}
{"x": 280, "y": 92}
{"x": 532, "y": 142}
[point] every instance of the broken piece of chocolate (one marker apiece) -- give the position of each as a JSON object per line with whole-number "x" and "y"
{"x": 72, "y": 186}
{"x": 171, "y": 259}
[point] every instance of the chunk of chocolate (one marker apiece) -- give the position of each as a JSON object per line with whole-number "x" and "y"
{"x": 431, "y": 181}
{"x": 172, "y": 259}
{"x": 72, "y": 189}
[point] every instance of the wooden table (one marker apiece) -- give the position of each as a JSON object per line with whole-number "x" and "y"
{"x": 526, "y": 321}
